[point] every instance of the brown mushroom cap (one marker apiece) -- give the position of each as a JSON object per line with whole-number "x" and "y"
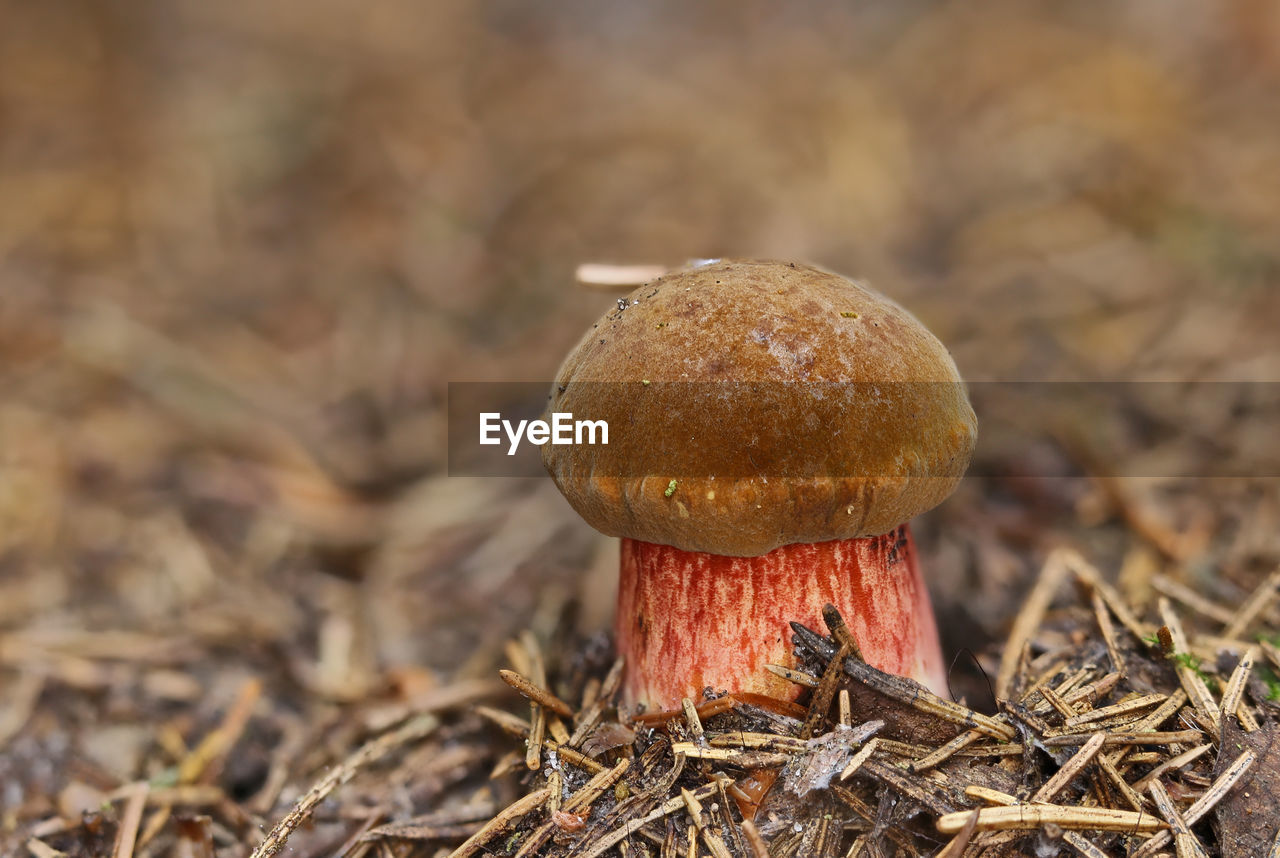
{"x": 755, "y": 404}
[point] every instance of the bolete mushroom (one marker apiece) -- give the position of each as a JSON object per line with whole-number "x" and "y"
{"x": 773, "y": 427}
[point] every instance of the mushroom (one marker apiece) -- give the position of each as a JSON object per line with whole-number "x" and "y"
{"x": 773, "y": 427}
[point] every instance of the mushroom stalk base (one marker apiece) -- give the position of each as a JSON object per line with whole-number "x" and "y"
{"x": 690, "y": 622}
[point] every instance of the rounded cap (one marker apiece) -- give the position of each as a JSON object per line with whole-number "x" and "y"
{"x": 755, "y": 404}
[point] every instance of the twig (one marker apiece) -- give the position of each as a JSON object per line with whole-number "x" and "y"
{"x": 370, "y": 752}
{"x": 615, "y": 837}
{"x": 499, "y": 823}
{"x": 1087, "y": 574}
{"x": 1105, "y": 626}
{"x": 1205, "y": 803}
{"x": 1233, "y": 694}
{"x": 127, "y": 836}
{"x": 219, "y": 741}
{"x": 1070, "y": 769}
{"x": 955, "y": 849}
{"x": 754, "y": 841}
{"x": 536, "y": 693}
{"x": 1028, "y": 816}
{"x": 1197, "y": 692}
{"x": 1029, "y": 618}
{"x": 1187, "y": 843}
{"x": 1254, "y": 605}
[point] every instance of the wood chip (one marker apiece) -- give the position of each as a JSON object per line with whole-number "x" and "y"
{"x": 923, "y": 700}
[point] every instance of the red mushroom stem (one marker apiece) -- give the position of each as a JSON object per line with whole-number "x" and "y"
{"x": 689, "y": 621}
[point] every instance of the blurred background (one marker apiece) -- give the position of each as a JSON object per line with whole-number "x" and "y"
{"x": 244, "y": 247}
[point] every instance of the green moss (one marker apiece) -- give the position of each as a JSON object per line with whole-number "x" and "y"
{"x": 671, "y": 489}
{"x": 1269, "y": 678}
{"x": 1194, "y": 663}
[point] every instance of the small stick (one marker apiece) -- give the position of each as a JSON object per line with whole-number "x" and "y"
{"x": 1125, "y": 707}
{"x": 499, "y": 823}
{"x": 538, "y": 716}
{"x": 371, "y": 751}
{"x": 218, "y": 742}
{"x": 1029, "y": 816}
{"x": 1007, "y": 749}
{"x": 758, "y": 741}
{"x": 840, "y": 631}
{"x": 695, "y": 723}
{"x": 555, "y": 786}
{"x": 820, "y": 704}
{"x": 1087, "y": 574}
{"x": 1063, "y": 708}
{"x": 1205, "y": 803}
{"x": 1166, "y": 586}
{"x": 758, "y": 847}
{"x": 709, "y": 837}
{"x": 536, "y": 693}
{"x": 1188, "y": 844}
{"x": 1233, "y": 694}
{"x": 1117, "y": 780}
{"x": 944, "y": 753}
{"x": 859, "y": 758}
{"x": 1197, "y": 692}
{"x": 1171, "y": 764}
{"x": 1152, "y": 738}
{"x": 1163, "y": 712}
{"x": 130, "y": 819}
{"x": 1254, "y": 605}
{"x": 1070, "y": 769}
{"x": 588, "y": 717}
{"x": 1078, "y": 842}
{"x": 955, "y": 849}
{"x": 1029, "y": 618}
{"x": 559, "y": 732}
{"x": 39, "y": 849}
{"x": 1108, "y": 633}
{"x": 799, "y": 677}
{"x": 990, "y": 796}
